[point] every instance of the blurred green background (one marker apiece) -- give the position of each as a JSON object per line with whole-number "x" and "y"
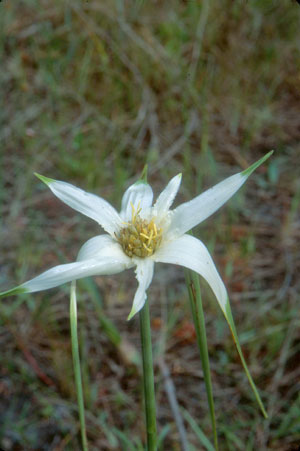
{"x": 90, "y": 92}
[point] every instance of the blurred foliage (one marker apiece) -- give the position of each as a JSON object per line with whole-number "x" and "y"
{"x": 90, "y": 91}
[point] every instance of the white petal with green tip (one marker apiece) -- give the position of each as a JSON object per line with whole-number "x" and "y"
{"x": 72, "y": 271}
{"x": 138, "y": 195}
{"x": 86, "y": 203}
{"x": 191, "y": 213}
{"x": 167, "y": 196}
{"x": 144, "y": 274}
{"x": 191, "y": 253}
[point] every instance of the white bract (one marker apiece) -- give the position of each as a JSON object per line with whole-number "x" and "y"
{"x": 141, "y": 235}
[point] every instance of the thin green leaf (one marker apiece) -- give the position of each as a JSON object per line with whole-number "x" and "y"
{"x": 163, "y": 434}
{"x": 127, "y": 350}
{"x": 125, "y": 441}
{"x": 198, "y": 431}
{"x": 106, "y": 324}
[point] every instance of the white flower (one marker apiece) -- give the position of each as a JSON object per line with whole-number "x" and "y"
{"x": 141, "y": 235}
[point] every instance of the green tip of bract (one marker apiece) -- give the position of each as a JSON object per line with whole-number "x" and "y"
{"x": 143, "y": 177}
{"x": 12, "y": 291}
{"x": 131, "y": 314}
{"x": 254, "y": 166}
{"x": 230, "y": 321}
{"x": 46, "y": 180}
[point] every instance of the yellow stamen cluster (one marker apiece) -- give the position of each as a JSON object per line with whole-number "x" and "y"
{"x": 139, "y": 238}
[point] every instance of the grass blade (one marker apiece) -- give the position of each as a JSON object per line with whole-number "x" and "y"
{"x": 106, "y": 324}
{"x": 198, "y": 431}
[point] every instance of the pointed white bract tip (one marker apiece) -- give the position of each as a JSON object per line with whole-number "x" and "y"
{"x": 44, "y": 179}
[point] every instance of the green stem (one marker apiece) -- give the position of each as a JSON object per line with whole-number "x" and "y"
{"x": 192, "y": 281}
{"x": 148, "y": 377}
{"x": 76, "y": 363}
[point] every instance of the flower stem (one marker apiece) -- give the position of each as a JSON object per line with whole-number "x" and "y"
{"x": 76, "y": 363}
{"x": 193, "y": 284}
{"x": 148, "y": 377}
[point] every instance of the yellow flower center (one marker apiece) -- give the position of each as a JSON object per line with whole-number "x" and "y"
{"x": 139, "y": 238}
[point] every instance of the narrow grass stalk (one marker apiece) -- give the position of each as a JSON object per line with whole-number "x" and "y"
{"x": 193, "y": 284}
{"x": 76, "y": 363}
{"x": 148, "y": 377}
{"x": 107, "y": 326}
{"x": 198, "y": 431}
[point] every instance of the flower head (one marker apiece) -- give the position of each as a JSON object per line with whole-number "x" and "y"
{"x": 141, "y": 235}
